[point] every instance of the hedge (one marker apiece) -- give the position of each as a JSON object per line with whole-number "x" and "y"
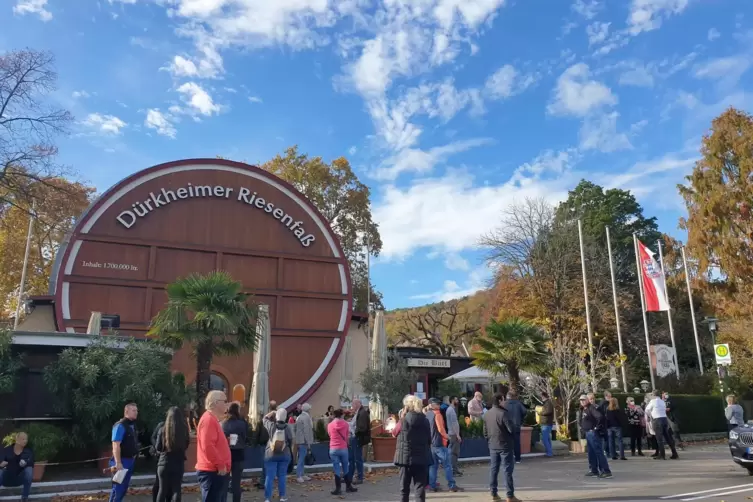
{"x": 695, "y": 414}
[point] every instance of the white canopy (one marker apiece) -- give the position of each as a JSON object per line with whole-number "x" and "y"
{"x": 473, "y": 374}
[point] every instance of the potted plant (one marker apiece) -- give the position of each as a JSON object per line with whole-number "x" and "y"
{"x": 44, "y": 440}
{"x": 320, "y": 449}
{"x": 473, "y": 444}
{"x": 387, "y": 386}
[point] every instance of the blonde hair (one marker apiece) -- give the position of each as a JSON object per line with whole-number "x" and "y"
{"x": 732, "y": 398}
{"x": 415, "y": 404}
{"x": 213, "y": 397}
{"x": 613, "y": 404}
{"x": 630, "y": 400}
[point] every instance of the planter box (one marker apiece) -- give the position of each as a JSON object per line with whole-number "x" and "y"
{"x": 383, "y": 448}
{"x": 321, "y": 453}
{"x": 38, "y": 471}
{"x": 474, "y": 447}
{"x": 254, "y": 457}
{"x": 525, "y": 439}
{"x": 190, "y": 464}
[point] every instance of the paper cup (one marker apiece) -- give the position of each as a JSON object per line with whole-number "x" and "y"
{"x": 233, "y": 439}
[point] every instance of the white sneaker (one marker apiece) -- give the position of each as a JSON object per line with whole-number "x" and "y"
{"x": 307, "y": 478}
{"x": 267, "y": 500}
{"x": 301, "y": 480}
{"x": 284, "y": 500}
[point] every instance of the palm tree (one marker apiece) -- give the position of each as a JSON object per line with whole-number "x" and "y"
{"x": 513, "y": 345}
{"x": 210, "y": 313}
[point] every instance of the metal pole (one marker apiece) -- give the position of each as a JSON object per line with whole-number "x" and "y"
{"x": 588, "y": 310}
{"x": 669, "y": 309}
{"x": 23, "y": 270}
{"x": 368, "y": 291}
{"x": 643, "y": 308}
{"x": 692, "y": 310}
{"x": 616, "y": 312}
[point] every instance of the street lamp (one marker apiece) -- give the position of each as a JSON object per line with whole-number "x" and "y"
{"x": 636, "y": 390}
{"x": 644, "y": 385}
{"x": 712, "y": 323}
{"x": 614, "y": 382}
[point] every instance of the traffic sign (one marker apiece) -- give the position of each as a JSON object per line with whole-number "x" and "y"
{"x": 723, "y": 356}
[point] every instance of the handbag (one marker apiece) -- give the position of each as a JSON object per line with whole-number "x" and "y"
{"x": 309, "y": 460}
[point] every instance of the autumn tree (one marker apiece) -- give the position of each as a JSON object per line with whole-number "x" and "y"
{"x": 28, "y": 125}
{"x": 718, "y": 196}
{"x": 58, "y": 203}
{"x": 443, "y": 327}
{"x": 336, "y": 191}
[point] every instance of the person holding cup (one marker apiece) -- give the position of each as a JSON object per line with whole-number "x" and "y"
{"x": 236, "y": 430}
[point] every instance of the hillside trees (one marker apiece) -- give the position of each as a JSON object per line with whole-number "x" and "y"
{"x": 442, "y": 328}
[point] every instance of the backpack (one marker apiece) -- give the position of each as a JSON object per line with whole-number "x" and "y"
{"x": 278, "y": 441}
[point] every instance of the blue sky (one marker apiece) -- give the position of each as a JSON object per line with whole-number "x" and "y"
{"x": 450, "y": 110}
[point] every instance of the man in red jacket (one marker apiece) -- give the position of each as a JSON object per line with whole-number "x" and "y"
{"x": 213, "y": 450}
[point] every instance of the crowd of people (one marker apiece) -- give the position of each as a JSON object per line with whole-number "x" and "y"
{"x": 427, "y": 438}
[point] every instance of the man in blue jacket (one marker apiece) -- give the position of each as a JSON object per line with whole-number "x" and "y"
{"x": 125, "y": 449}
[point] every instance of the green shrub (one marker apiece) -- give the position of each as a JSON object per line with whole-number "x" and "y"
{"x": 320, "y": 431}
{"x": 44, "y": 439}
{"x": 92, "y": 385}
{"x": 473, "y": 430}
{"x": 696, "y": 414}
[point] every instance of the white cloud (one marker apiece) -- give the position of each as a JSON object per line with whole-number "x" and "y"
{"x": 713, "y": 34}
{"x": 37, "y": 7}
{"x": 104, "y": 124}
{"x": 197, "y": 99}
{"x": 638, "y": 76}
{"x": 548, "y": 162}
{"x": 597, "y": 32}
{"x": 506, "y": 82}
{"x": 453, "y": 261}
{"x": 450, "y": 213}
{"x": 423, "y": 161}
{"x": 725, "y": 70}
{"x": 577, "y": 95}
{"x": 648, "y": 15}
{"x": 599, "y": 132}
{"x": 352, "y": 150}
{"x": 160, "y": 122}
{"x": 209, "y": 65}
{"x": 79, "y": 94}
{"x": 586, "y": 8}
{"x": 477, "y": 280}
{"x": 255, "y": 99}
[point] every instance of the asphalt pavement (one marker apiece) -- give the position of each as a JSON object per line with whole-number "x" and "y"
{"x": 703, "y": 472}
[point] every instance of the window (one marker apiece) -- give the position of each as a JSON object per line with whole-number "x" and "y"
{"x": 218, "y": 382}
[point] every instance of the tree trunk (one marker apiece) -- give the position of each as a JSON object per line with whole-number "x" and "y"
{"x": 203, "y": 373}
{"x": 513, "y": 373}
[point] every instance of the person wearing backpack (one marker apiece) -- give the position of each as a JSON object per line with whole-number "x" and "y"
{"x": 277, "y": 454}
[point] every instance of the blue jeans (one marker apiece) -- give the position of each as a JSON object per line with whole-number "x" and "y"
{"x": 597, "y": 461}
{"x": 441, "y": 454}
{"x": 213, "y": 486}
{"x": 615, "y": 434}
{"x": 119, "y": 491}
{"x": 23, "y": 479}
{"x": 302, "y": 452}
{"x": 356, "y": 464}
{"x": 546, "y": 438}
{"x": 339, "y": 462}
{"x": 507, "y": 459}
{"x": 516, "y": 444}
{"x": 276, "y": 467}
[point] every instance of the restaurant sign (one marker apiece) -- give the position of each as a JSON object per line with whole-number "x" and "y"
{"x": 428, "y": 363}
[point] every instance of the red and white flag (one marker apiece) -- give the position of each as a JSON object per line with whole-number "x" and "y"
{"x": 653, "y": 281}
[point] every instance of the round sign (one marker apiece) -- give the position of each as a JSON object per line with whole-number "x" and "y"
{"x": 722, "y": 351}
{"x": 195, "y": 216}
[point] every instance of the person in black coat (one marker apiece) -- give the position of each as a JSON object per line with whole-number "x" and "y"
{"x": 413, "y": 449}
{"x": 499, "y": 430}
{"x": 17, "y": 465}
{"x": 236, "y": 430}
{"x": 171, "y": 443}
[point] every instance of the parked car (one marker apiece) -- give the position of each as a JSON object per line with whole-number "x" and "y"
{"x": 741, "y": 446}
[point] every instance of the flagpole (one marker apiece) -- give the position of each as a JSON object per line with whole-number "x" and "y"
{"x": 616, "y": 313}
{"x": 368, "y": 291}
{"x": 669, "y": 309}
{"x": 643, "y": 308}
{"x": 23, "y": 269}
{"x": 692, "y": 310}
{"x": 588, "y": 310}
